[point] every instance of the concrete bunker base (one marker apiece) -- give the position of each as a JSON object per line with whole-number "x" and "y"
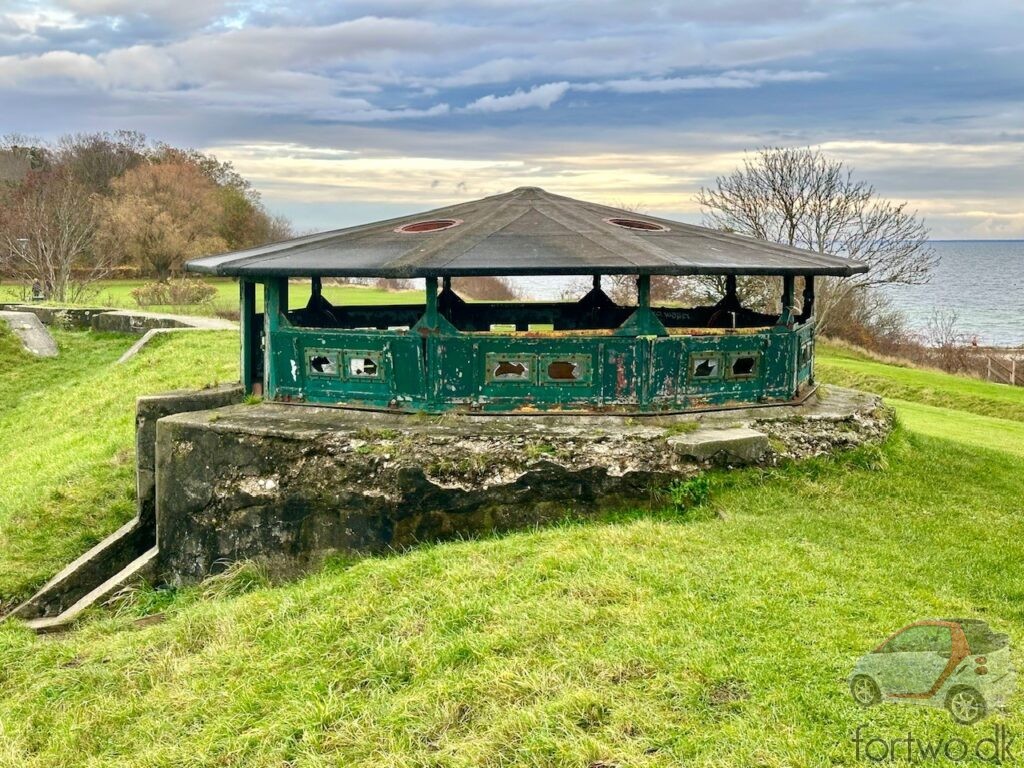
{"x": 289, "y": 485}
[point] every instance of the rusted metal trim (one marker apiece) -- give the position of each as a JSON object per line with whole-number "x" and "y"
{"x": 799, "y": 400}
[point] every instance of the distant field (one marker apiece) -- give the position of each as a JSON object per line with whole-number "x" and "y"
{"x": 117, "y": 294}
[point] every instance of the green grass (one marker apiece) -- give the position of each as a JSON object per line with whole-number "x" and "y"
{"x": 966, "y": 429}
{"x": 67, "y": 440}
{"x": 118, "y": 294}
{"x": 719, "y": 634}
{"x": 841, "y": 366}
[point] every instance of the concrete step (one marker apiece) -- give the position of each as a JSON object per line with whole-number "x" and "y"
{"x": 736, "y": 445}
{"x": 80, "y": 577}
{"x": 139, "y": 568}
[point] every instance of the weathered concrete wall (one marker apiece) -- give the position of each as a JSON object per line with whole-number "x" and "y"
{"x": 118, "y": 320}
{"x": 151, "y": 408}
{"x": 63, "y": 317}
{"x": 135, "y": 321}
{"x": 289, "y": 485}
{"x": 34, "y": 337}
{"x": 120, "y": 554}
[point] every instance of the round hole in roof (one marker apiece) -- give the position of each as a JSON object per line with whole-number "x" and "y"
{"x": 428, "y": 225}
{"x": 638, "y": 224}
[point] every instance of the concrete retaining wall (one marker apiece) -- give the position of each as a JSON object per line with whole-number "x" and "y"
{"x": 288, "y": 485}
{"x": 151, "y": 408}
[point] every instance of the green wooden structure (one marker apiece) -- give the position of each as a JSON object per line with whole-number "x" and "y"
{"x": 591, "y": 355}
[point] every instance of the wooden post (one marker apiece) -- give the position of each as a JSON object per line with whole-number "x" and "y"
{"x": 643, "y": 291}
{"x": 788, "y": 292}
{"x": 247, "y": 326}
{"x": 275, "y": 305}
{"x": 807, "y": 311}
{"x": 730, "y": 291}
{"x": 988, "y": 376}
{"x": 1013, "y": 371}
{"x": 430, "y": 310}
{"x": 597, "y": 282}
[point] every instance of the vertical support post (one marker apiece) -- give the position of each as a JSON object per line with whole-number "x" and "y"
{"x": 643, "y": 322}
{"x": 430, "y": 314}
{"x": 988, "y": 375}
{"x": 788, "y": 297}
{"x": 316, "y": 290}
{"x": 807, "y": 311}
{"x": 446, "y": 283}
{"x": 643, "y": 291}
{"x": 1013, "y": 371}
{"x": 730, "y": 301}
{"x": 597, "y": 282}
{"x": 247, "y": 326}
{"x": 275, "y": 304}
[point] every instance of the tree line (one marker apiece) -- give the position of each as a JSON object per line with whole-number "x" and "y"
{"x": 93, "y": 205}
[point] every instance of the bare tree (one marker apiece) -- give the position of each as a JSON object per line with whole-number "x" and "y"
{"x": 802, "y": 198}
{"x": 947, "y": 341}
{"x": 96, "y": 159}
{"x": 47, "y": 230}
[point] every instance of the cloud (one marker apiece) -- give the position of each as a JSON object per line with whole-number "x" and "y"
{"x": 187, "y": 14}
{"x": 731, "y": 79}
{"x": 922, "y": 96}
{"x": 541, "y": 96}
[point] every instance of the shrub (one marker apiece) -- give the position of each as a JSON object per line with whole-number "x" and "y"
{"x": 686, "y": 494}
{"x": 177, "y": 292}
{"x": 485, "y": 288}
{"x": 392, "y": 284}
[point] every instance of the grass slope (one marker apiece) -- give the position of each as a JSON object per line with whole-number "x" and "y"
{"x": 647, "y": 642}
{"x": 67, "y": 425}
{"x": 848, "y": 368}
{"x": 721, "y": 636}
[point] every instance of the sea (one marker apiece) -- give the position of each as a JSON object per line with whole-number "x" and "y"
{"x": 982, "y": 281}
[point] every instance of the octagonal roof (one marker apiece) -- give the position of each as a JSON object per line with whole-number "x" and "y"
{"x": 527, "y": 231}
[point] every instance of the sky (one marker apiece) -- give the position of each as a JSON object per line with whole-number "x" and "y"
{"x": 347, "y": 112}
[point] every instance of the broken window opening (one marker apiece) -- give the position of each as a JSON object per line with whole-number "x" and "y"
{"x": 363, "y": 367}
{"x": 514, "y": 370}
{"x": 744, "y": 366}
{"x": 325, "y": 365}
{"x": 564, "y": 370}
{"x": 705, "y": 368}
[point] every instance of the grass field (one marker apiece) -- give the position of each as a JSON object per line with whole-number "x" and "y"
{"x": 721, "y": 636}
{"x": 117, "y": 294}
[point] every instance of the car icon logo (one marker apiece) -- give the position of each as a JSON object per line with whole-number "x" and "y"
{"x": 957, "y": 664}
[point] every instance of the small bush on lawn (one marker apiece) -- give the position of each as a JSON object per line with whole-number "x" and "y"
{"x": 686, "y": 494}
{"x": 178, "y": 292}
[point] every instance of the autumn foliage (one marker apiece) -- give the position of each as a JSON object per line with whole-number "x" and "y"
{"x": 74, "y": 211}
